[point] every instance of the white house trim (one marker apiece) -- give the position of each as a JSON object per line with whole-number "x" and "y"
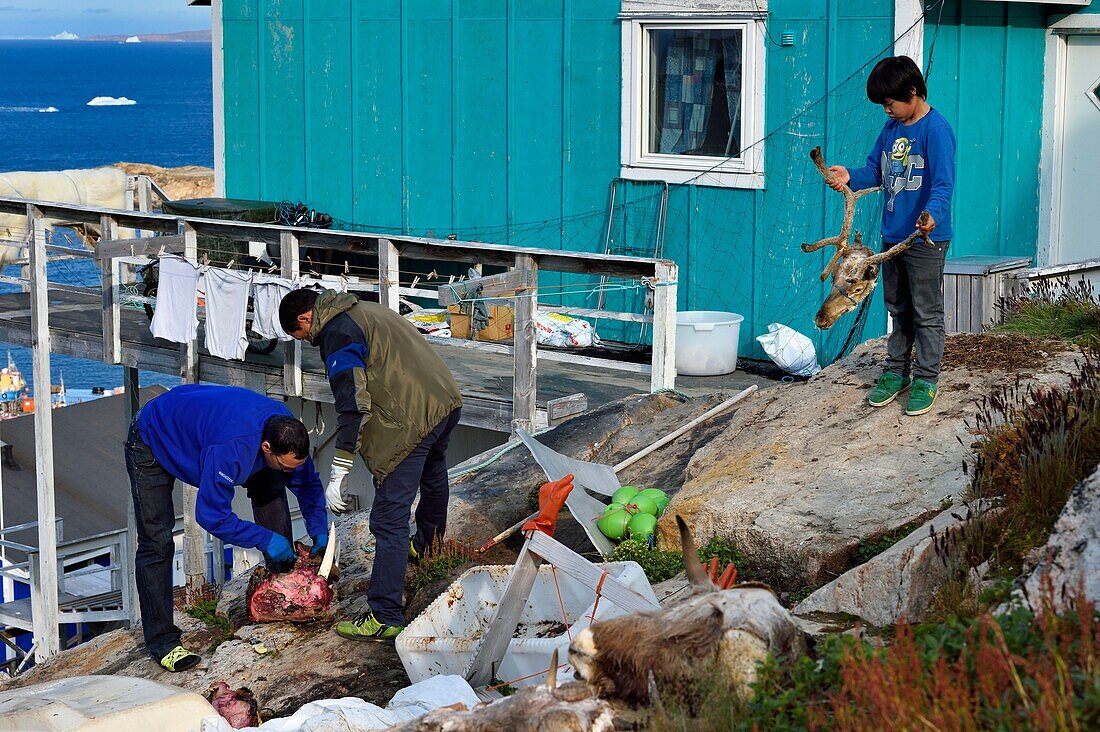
{"x": 218, "y": 78}
{"x": 909, "y": 30}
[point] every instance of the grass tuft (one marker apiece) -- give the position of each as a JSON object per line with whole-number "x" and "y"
{"x": 1054, "y": 309}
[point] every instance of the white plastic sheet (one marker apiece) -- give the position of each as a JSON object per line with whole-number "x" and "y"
{"x": 791, "y": 351}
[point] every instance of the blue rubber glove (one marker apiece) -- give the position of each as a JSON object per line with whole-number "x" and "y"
{"x": 280, "y": 552}
{"x": 320, "y": 541}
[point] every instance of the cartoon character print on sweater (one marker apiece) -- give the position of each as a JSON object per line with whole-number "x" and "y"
{"x": 898, "y": 168}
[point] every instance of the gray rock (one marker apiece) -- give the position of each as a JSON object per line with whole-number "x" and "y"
{"x": 1070, "y": 559}
{"x": 803, "y": 472}
{"x": 901, "y": 581}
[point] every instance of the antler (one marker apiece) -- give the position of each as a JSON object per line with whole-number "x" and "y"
{"x": 902, "y": 246}
{"x": 840, "y": 241}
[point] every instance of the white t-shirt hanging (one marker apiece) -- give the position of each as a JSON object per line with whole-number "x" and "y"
{"x": 267, "y": 292}
{"x": 226, "y": 310}
{"x": 176, "y": 315}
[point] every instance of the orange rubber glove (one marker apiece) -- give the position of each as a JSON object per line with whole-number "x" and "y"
{"x": 551, "y": 498}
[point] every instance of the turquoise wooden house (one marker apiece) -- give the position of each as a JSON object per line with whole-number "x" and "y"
{"x": 679, "y": 127}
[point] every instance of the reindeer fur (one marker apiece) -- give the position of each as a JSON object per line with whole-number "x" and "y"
{"x": 854, "y": 268}
{"x": 730, "y": 631}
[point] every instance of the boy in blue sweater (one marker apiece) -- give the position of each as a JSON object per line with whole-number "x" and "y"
{"x": 215, "y": 438}
{"x": 914, "y": 162}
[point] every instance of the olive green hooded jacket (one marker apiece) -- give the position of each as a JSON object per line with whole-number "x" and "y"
{"x": 390, "y": 386}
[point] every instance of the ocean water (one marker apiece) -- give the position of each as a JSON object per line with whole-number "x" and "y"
{"x": 170, "y": 124}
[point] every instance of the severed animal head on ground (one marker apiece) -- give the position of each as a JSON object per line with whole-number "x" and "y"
{"x": 854, "y": 267}
{"x": 727, "y": 632}
{"x": 238, "y": 707}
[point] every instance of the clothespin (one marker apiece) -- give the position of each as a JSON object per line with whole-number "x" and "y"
{"x": 161, "y": 252}
{"x": 205, "y": 259}
{"x": 451, "y": 280}
{"x": 232, "y": 264}
{"x": 346, "y": 270}
{"x": 415, "y": 281}
{"x": 433, "y": 275}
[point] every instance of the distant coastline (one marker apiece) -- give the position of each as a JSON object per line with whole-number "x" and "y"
{"x": 199, "y": 36}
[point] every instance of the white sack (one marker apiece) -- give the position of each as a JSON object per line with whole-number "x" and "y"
{"x": 791, "y": 351}
{"x": 555, "y": 329}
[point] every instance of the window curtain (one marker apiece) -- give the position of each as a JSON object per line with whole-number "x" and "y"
{"x": 689, "y": 76}
{"x": 731, "y": 59}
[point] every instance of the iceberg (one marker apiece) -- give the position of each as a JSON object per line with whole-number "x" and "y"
{"x": 64, "y": 36}
{"x": 133, "y": 39}
{"x": 110, "y": 102}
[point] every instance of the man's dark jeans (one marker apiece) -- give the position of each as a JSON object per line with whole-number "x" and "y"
{"x": 151, "y": 486}
{"x": 425, "y": 469}
{"x": 912, "y": 287}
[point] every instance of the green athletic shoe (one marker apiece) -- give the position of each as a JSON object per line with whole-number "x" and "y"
{"x": 921, "y": 397}
{"x": 179, "y": 659}
{"x": 887, "y": 388}
{"x": 414, "y": 555}
{"x": 366, "y": 628}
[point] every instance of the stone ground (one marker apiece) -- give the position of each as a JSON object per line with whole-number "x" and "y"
{"x": 189, "y": 181}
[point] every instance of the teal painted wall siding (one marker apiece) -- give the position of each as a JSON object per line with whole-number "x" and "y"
{"x": 500, "y": 120}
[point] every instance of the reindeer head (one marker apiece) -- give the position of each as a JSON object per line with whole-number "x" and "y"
{"x": 854, "y": 267}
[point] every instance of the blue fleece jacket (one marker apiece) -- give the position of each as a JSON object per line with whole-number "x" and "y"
{"x": 209, "y": 436}
{"x": 915, "y": 165}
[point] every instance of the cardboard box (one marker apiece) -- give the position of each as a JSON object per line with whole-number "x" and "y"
{"x": 501, "y": 324}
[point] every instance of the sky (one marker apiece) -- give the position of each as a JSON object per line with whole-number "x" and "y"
{"x": 45, "y": 18}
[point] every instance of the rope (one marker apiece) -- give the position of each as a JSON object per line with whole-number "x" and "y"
{"x": 561, "y": 602}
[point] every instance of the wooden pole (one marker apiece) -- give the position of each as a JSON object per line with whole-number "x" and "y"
{"x": 292, "y": 350}
{"x": 526, "y": 346}
{"x": 389, "y": 273}
{"x": 109, "y": 269}
{"x": 45, "y": 612}
{"x": 194, "y": 540}
{"x": 663, "y": 375}
{"x": 129, "y": 589}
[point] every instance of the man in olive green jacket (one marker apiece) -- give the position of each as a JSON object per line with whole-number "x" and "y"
{"x": 396, "y": 404}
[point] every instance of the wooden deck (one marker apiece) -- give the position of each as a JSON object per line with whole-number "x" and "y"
{"x": 484, "y": 376}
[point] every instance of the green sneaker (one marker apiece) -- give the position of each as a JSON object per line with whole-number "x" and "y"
{"x": 921, "y": 397}
{"x": 414, "y": 555}
{"x": 368, "y": 629}
{"x": 887, "y": 388}
{"x": 179, "y": 659}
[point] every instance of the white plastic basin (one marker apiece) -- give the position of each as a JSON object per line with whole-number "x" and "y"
{"x": 706, "y": 342}
{"x": 442, "y": 639}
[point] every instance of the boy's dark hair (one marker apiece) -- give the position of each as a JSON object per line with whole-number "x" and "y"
{"x": 286, "y": 435}
{"x": 295, "y": 303}
{"x": 896, "y": 77}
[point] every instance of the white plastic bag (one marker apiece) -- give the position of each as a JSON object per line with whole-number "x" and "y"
{"x": 555, "y": 329}
{"x": 431, "y": 322}
{"x": 791, "y": 351}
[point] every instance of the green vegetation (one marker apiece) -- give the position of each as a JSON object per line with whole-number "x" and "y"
{"x": 438, "y": 563}
{"x": 661, "y": 565}
{"x": 873, "y": 546}
{"x": 1055, "y": 309}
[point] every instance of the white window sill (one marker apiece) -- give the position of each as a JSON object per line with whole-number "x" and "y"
{"x": 714, "y": 178}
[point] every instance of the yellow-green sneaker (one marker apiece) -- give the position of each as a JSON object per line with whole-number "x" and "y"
{"x": 179, "y": 659}
{"x": 887, "y": 388}
{"x": 367, "y": 628}
{"x": 921, "y": 397}
{"x": 414, "y": 555}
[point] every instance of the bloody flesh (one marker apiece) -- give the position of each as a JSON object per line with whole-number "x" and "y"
{"x": 298, "y": 596}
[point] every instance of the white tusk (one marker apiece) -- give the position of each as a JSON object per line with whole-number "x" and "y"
{"x": 330, "y": 552}
{"x": 552, "y": 674}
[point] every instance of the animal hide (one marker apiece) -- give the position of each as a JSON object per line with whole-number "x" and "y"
{"x": 297, "y": 596}
{"x": 239, "y": 707}
{"x": 98, "y": 187}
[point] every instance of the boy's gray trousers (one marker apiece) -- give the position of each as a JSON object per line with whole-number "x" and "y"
{"x": 913, "y": 290}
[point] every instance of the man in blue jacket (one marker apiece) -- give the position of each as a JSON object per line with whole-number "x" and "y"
{"x": 215, "y": 438}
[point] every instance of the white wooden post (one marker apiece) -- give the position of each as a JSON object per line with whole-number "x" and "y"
{"x": 145, "y": 193}
{"x": 663, "y": 375}
{"x": 109, "y": 269}
{"x": 389, "y": 274}
{"x": 292, "y": 351}
{"x": 129, "y": 588}
{"x": 194, "y": 542}
{"x": 45, "y": 614}
{"x": 526, "y": 346}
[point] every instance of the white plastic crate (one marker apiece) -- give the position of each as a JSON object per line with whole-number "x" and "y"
{"x": 443, "y": 638}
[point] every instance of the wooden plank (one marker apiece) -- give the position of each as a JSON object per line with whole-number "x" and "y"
{"x": 525, "y": 357}
{"x": 498, "y": 285}
{"x": 194, "y": 541}
{"x": 292, "y": 350}
{"x": 562, "y": 408}
{"x": 663, "y": 375}
{"x": 490, "y": 652}
{"x": 112, "y": 338}
{"x": 389, "y": 275}
{"x": 950, "y": 303}
{"x": 45, "y": 611}
{"x": 582, "y": 570}
{"x": 147, "y": 246}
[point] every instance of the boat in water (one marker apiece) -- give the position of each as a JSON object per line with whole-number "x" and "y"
{"x": 15, "y": 397}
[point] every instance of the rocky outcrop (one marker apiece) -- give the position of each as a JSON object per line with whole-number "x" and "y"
{"x": 802, "y": 473}
{"x": 901, "y": 581}
{"x": 188, "y": 181}
{"x": 1070, "y": 560}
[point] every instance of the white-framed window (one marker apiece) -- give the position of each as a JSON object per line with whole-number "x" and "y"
{"x": 693, "y": 97}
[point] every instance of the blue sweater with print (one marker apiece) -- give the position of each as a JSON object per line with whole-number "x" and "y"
{"x": 209, "y": 436}
{"x": 915, "y": 165}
